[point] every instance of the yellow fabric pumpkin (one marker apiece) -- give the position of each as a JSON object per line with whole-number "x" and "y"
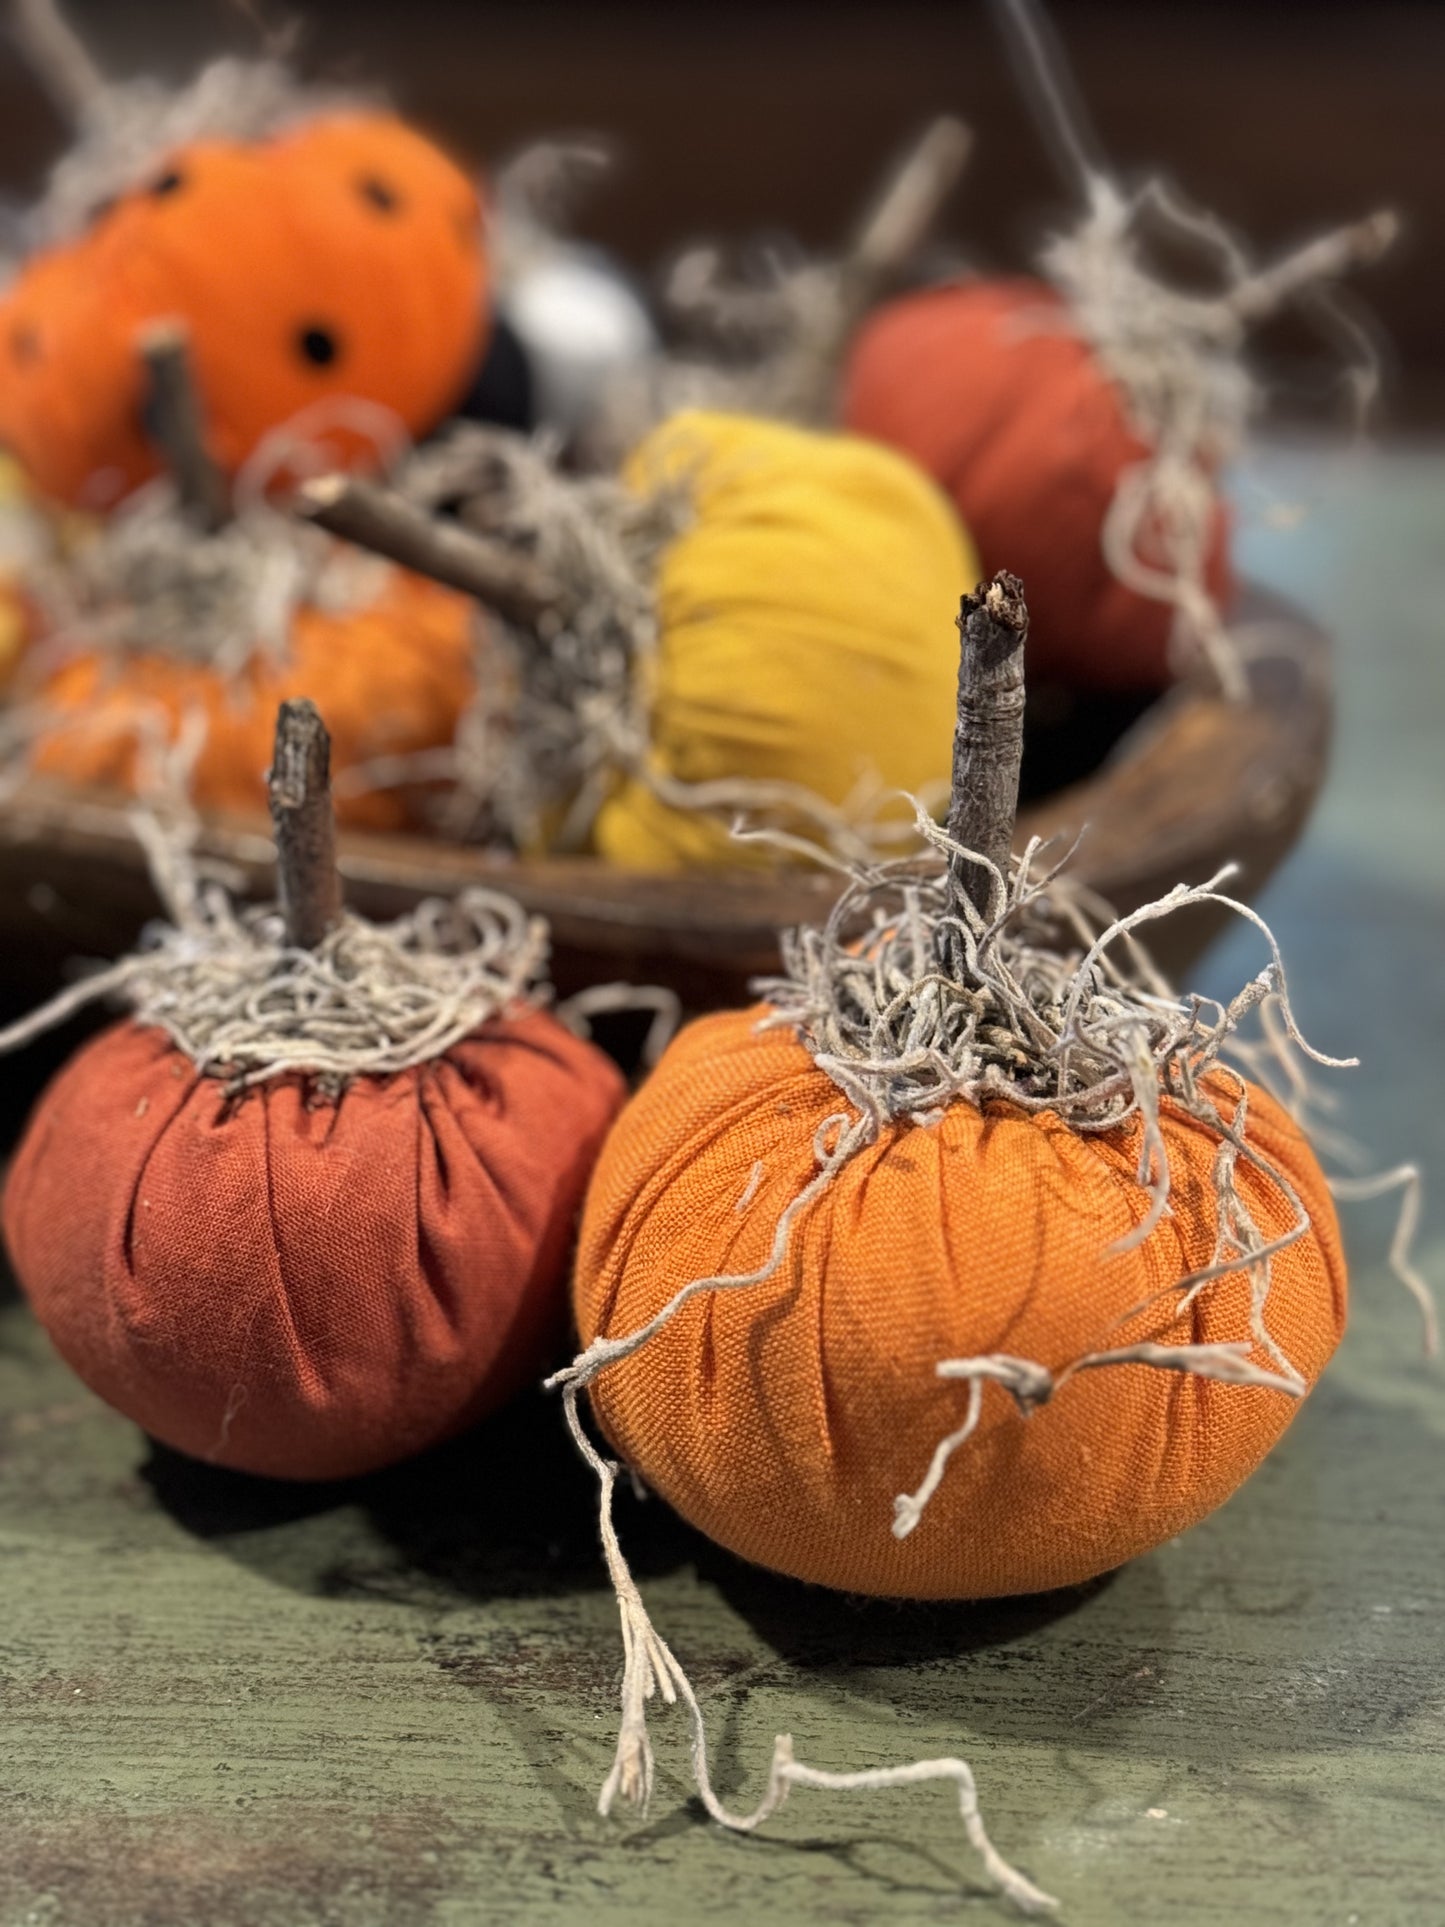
{"x": 806, "y": 628}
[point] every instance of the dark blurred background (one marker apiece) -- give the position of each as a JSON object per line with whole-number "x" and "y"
{"x": 736, "y": 115}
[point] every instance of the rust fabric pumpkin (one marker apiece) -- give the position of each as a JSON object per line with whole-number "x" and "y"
{"x": 308, "y": 1289}
{"x": 991, "y": 388}
{"x": 395, "y": 673}
{"x": 342, "y": 259}
{"x": 328, "y": 1177}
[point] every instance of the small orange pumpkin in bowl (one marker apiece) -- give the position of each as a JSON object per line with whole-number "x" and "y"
{"x": 396, "y": 669}
{"x": 170, "y": 633}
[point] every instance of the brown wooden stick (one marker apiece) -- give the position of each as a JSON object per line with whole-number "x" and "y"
{"x": 885, "y": 240}
{"x": 176, "y": 424}
{"x": 376, "y": 518}
{"x": 58, "y": 57}
{"x": 988, "y": 737}
{"x": 1324, "y": 259}
{"x": 899, "y": 219}
{"x": 298, "y": 787}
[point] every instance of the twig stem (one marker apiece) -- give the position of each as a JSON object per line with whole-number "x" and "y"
{"x": 58, "y": 57}
{"x": 299, "y": 790}
{"x": 1324, "y": 259}
{"x": 988, "y": 737}
{"x": 376, "y": 518}
{"x": 898, "y": 221}
{"x": 176, "y": 424}
{"x": 890, "y": 233}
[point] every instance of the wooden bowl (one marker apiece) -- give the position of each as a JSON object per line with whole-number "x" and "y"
{"x": 1194, "y": 783}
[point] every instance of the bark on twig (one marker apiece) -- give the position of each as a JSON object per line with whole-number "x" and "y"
{"x": 988, "y": 739}
{"x": 58, "y": 57}
{"x": 299, "y": 790}
{"x": 375, "y": 518}
{"x": 898, "y": 222}
{"x": 176, "y": 424}
{"x": 1323, "y": 259}
{"x": 886, "y": 239}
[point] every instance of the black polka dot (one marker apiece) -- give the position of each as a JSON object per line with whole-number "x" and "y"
{"x": 171, "y": 182}
{"x": 383, "y": 198}
{"x": 24, "y": 344}
{"x": 318, "y": 346}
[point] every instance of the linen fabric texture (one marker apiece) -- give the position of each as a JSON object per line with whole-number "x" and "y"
{"x": 783, "y": 1418}
{"x": 301, "y": 1288}
{"x": 806, "y": 620}
{"x": 989, "y": 387}
{"x": 341, "y": 258}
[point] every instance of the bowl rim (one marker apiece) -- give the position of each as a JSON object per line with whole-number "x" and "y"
{"x": 1197, "y": 781}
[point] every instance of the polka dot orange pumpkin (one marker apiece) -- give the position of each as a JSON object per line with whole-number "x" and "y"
{"x": 341, "y": 258}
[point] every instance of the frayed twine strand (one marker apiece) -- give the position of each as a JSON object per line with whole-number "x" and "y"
{"x": 123, "y": 130}
{"x": 1092, "y": 1034}
{"x": 1177, "y": 356}
{"x": 664, "y": 1006}
{"x": 369, "y": 1000}
{"x": 651, "y": 1669}
{"x": 562, "y": 709}
{"x": 1406, "y": 1179}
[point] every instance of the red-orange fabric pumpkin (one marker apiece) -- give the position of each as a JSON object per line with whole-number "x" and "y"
{"x": 300, "y": 1288}
{"x": 340, "y": 258}
{"x": 990, "y": 389}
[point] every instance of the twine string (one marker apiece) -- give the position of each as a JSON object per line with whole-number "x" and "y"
{"x": 369, "y": 1000}
{"x": 1086, "y": 1029}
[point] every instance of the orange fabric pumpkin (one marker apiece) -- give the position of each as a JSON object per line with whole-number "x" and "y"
{"x": 340, "y": 258}
{"x": 986, "y": 385}
{"x": 300, "y": 1288}
{"x": 783, "y": 1418}
{"x": 394, "y": 676}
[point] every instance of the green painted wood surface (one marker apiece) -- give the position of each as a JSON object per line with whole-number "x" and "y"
{"x": 232, "y": 1705}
